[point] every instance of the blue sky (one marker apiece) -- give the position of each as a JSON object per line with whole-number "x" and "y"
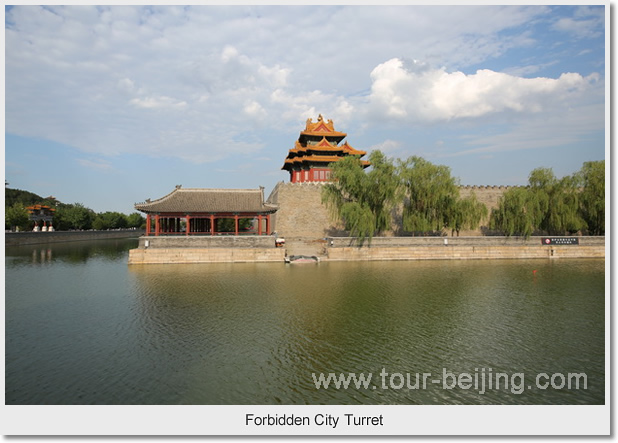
{"x": 109, "y": 106}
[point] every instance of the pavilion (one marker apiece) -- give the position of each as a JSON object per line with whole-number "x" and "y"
{"x": 198, "y": 211}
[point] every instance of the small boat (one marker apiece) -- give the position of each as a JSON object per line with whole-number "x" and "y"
{"x": 302, "y": 259}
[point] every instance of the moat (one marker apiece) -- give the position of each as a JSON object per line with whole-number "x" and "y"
{"x": 82, "y": 327}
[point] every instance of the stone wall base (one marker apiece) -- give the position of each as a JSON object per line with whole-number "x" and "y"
{"x": 463, "y": 252}
{"x": 201, "y": 255}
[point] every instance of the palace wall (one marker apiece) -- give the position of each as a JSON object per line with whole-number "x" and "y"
{"x": 301, "y": 213}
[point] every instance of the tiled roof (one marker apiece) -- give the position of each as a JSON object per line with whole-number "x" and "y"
{"x": 324, "y": 150}
{"x": 350, "y": 150}
{"x": 321, "y": 128}
{"x": 191, "y": 200}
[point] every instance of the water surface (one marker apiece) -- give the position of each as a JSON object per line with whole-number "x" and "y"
{"x": 83, "y": 327}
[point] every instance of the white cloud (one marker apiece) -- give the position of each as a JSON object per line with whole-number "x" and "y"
{"x": 581, "y": 28}
{"x": 388, "y": 146}
{"x": 192, "y": 82}
{"x": 561, "y": 129}
{"x": 587, "y": 22}
{"x": 418, "y": 94}
{"x": 254, "y": 109}
{"x": 153, "y": 102}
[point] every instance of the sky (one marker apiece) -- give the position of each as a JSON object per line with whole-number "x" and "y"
{"x": 111, "y": 105}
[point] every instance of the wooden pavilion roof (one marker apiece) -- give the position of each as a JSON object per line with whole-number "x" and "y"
{"x": 200, "y": 200}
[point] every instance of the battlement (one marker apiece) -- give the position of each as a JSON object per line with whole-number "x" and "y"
{"x": 487, "y": 187}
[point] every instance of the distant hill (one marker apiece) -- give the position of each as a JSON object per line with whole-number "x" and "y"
{"x": 27, "y": 198}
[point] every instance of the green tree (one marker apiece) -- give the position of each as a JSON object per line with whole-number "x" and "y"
{"x": 16, "y": 216}
{"x": 73, "y": 216}
{"x": 362, "y": 200}
{"x": 110, "y": 220}
{"x": 564, "y": 216}
{"x": 547, "y": 204}
{"x": 467, "y": 213}
{"x": 517, "y": 213}
{"x": 26, "y": 198}
{"x": 557, "y": 202}
{"x": 592, "y": 199}
{"x": 135, "y": 220}
{"x": 431, "y": 194}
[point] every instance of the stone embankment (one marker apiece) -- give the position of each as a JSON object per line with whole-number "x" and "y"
{"x": 206, "y": 249}
{"x": 461, "y": 248}
{"x": 230, "y": 249}
{"x": 35, "y": 238}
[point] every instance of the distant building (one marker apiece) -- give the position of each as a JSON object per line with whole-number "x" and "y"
{"x": 42, "y": 216}
{"x": 315, "y": 150}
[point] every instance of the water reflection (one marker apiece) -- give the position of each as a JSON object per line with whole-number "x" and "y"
{"x": 83, "y": 327}
{"x": 263, "y": 329}
{"x": 41, "y": 256}
{"x": 69, "y": 252}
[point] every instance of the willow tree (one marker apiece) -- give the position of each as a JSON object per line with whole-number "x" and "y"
{"x": 431, "y": 194}
{"x": 467, "y": 213}
{"x": 362, "y": 200}
{"x": 547, "y": 204}
{"x": 517, "y": 213}
{"x": 592, "y": 198}
{"x": 558, "y": 201}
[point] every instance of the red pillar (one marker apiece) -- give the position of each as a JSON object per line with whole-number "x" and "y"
{"x": 188, "y": 224}
{"x": 260, "y": 224}
{"x": 157, "y": 225}
{"x": 236, "y": 224}
{"x": 267, "y": 224}
{"x": 212, "y": 224}
{"x": 148, "y": 223}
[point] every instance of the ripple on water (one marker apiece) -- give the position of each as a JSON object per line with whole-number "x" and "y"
{"x": 99, "y": 332}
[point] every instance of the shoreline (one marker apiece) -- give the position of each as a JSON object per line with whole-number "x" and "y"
{"x": 36, "y": 238}
{"x": 180, "y": 249}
